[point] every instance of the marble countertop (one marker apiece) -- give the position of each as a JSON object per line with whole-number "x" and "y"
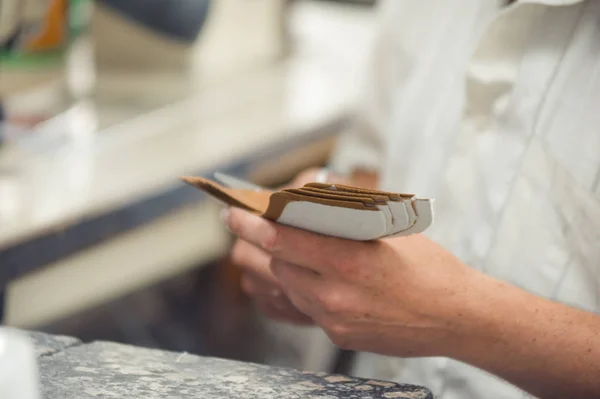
{"x": 72, "y": 369}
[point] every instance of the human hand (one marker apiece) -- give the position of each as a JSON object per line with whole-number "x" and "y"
{"x": 258, "y": 281}
{"x": 404, "y": 296}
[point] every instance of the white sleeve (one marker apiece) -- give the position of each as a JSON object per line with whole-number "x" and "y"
{"x": 362, "y": 145}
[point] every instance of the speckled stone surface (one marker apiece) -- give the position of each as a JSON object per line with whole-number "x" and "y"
{"x": 47, "y": 345}
{"x": 69, "y": 370}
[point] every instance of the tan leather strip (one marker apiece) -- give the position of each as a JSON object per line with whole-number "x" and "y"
{"x": 350, "y": 189}
{"x": 332, "y": 195}
{"x": 254, "y": 201}
{"x": 379, "y": 199}
{"x": 280, "y": 199}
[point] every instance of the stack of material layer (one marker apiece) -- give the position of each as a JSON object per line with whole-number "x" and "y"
{"x": 335, "y": 210}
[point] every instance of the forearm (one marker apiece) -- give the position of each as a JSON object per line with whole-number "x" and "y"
{"x": 548, "y": 349}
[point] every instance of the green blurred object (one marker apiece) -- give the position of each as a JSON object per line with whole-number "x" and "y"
{"x": 79, "y": 17}
{"x": 40, "y": 35}
{"x": 35, "y": 37}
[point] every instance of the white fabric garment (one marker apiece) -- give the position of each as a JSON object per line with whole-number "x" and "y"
{"x": 494, "y": 111}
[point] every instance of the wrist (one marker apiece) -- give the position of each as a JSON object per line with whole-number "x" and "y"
{"x": 472, "y": 315}
{"x": 488, "y": 318}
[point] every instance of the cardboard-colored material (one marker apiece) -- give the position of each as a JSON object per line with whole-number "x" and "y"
{"x": 340, "y": 211}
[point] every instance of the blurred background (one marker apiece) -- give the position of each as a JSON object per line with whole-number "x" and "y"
{"x": 104, "y": 104}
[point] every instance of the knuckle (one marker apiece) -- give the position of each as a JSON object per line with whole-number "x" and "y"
{"x": 282, "y": 271}
{"x": 332, "y": 302}
{"x": 338, "y": 333}
{"x": 248, "y": 286}
{"x": 278, "y": 268}
{"x": 271, "y": 238}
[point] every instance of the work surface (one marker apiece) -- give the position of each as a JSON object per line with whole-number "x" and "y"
{"x": 72, "y": 369}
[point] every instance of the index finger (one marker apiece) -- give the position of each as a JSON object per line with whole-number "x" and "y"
{"x": 320, "y": 253}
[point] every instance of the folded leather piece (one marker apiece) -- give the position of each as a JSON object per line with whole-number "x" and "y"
{"x": 342, "y": 211}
